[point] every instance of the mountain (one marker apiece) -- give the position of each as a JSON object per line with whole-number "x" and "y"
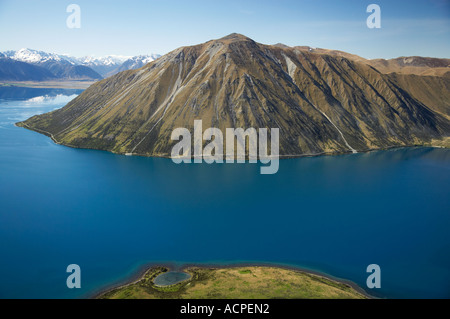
{"x": 33, "y": 56}
{"x": 72, "y": 68}
{"x": 62, "y": 67}
{"x": 12, "y": 70}
{"x": 110, "y": 65}
{"x": 413, "y": 65}
{"x": 430, "y": 88}
{"x": 136, "y": 62}
{"x": 322, "y": 103}
{"x": 67, "y": 71}
{"x": 106, "y": 66}
{"x": 403, "y": 65}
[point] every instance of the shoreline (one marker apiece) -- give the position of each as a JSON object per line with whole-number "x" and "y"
{"x": 64, "y": 84}
{"x": 281, "y": 156}
{"x": 140, "y": 273}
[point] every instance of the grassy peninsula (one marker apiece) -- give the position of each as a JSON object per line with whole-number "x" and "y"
{"x": 251, "y": 282}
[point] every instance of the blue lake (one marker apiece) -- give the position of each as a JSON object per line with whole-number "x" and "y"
{"x": 113, "y": 214}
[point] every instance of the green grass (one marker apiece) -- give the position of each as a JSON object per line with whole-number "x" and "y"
{"x": 245, "y": 271}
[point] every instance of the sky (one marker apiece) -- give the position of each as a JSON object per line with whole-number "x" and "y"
{"x": 132, "y": 27}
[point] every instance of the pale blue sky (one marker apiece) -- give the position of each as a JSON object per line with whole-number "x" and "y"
{"x": 132, "y": 27}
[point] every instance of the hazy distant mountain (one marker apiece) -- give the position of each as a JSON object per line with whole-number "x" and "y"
{"x": 67, "y": 71}
{"x": 69, "y": 67}
{"x": 62, "y": 67}
{"x": 136, "y": 62}
{"x": 33, "y": 56}
{"x": 12, "y": 70}
{"x": 110, "y": 65}
{"x": 321, "y": 102}
{"x": 103, "y": 65}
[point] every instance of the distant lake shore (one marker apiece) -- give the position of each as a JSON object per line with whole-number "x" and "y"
{"x": 49, "y": 84}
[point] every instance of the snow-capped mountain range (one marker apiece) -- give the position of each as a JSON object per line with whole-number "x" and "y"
{"x": 32, "y": 56}
{"x": 105, "y": 66}
{"x": 104, "y": 60}
{"x": 137, "y": 62}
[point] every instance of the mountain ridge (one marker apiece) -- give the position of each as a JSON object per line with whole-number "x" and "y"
{"x": 416, "y": 65}
{"x": 104, "y": 65}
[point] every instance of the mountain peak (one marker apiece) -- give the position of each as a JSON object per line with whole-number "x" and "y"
{"x": 281, "y": 45}
{"x": 233, "y": 37}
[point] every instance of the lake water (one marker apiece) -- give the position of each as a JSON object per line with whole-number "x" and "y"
{"x": 171, "y": 278}
{"x": 113, "y": 214}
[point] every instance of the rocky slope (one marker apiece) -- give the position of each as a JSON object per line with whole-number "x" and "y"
{"x": 321, "y": 103}
{"x": 403, "y": 65}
